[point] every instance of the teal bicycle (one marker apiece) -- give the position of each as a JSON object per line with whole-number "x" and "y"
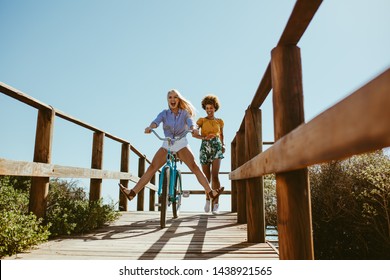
{"x": 170, "y": 190}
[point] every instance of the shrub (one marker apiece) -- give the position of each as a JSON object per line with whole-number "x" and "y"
{"x": 350, "y": 208}
{"x": 270, "y": 200}
{"x": 69, "y": 211}
{"x": 19, "y": 230}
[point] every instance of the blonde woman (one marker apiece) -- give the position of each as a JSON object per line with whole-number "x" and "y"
{"x": 176, "y": 120}
{"x": 212, "y": 147}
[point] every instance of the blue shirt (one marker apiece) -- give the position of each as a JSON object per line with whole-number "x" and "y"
{"x": 174, "y": 125}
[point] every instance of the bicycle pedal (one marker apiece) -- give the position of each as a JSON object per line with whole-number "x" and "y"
{"x": 186, "y": 193}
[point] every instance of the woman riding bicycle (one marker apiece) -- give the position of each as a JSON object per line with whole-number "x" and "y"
{"x": 176, "y": 120}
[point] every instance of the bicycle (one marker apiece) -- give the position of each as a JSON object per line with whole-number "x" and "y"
{"x": 170, "y": 190}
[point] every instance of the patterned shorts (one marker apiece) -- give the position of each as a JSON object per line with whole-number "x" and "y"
{"x": 210, "y": 150}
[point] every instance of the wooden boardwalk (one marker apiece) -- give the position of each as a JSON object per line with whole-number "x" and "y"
{"x": 137, "y": 236}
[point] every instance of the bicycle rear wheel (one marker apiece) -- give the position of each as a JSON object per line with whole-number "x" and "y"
{"x": 177, "y": 197}
{"x": 164, "y": 196}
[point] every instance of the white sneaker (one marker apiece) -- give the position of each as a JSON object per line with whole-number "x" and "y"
{"x": 215, "y": 209}
{"x": 207, "y": 206}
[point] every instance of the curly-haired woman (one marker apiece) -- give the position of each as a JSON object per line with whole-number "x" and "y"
{"x": 212, "y": 147}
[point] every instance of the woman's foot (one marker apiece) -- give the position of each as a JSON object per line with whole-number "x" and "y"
{"x": 207, "y": 206}
{"x": 215, "y": 209}
{"x": 214, "y": 194}
{"x": 130, "y": 194}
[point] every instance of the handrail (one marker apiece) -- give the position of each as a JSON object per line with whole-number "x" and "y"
{"x": 360, "y": 123}
{"x": 22, "y": 97}
{"x": 337, "y": 133}
{"x": 38, "y": 169}
{"x": 301, "y": 16}
{"x": 41, "y": 169}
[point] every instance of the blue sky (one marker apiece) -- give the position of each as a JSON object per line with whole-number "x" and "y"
{"x": 111, "y": 63}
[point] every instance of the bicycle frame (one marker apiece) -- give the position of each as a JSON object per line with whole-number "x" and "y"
{"x": 172, "y": 164}
{"x": 171, "y": 195}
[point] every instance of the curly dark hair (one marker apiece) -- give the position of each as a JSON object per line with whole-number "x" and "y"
{"x": 210, "y": 99}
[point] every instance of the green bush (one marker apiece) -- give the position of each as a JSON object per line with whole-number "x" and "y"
{"x": 69, "y": 210}
{"x": 270, "y": 201}
{"x": 19, "y": 230}
{"x": 351, "y": 208}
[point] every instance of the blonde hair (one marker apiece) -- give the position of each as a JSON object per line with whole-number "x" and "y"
{"x": 184, "y": 104}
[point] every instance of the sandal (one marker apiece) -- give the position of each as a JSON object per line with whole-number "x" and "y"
{"x": 129, "y": 195}
{"x": 219, "y": 192}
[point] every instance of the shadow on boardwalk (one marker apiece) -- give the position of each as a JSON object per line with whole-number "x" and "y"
{"x": 137, "y": 236}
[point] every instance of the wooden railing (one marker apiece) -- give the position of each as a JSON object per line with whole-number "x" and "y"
{"x": 41, "y": 169}
{"x": 359, "y": 123}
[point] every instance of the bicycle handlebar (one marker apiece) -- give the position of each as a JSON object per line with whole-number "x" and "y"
{"x": 168, "y": 138}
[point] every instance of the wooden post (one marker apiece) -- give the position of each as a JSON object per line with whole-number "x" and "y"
{"x": 95, "y": 189}
{"x": 125, "y": 159}
{"x": 254, "y": 187}
{"x": 241, "y": 184}
{"x": 42, "y": 153}
{"x": 152, "y": 195}
{"x": 141, "y": 195}
{"x": 292, "y": 188}
{"x": 233, "y": 163}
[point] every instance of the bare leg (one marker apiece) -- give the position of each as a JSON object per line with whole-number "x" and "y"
{"x": 207, "y": 173}
{"x": 215, "y": 177}
{"x": 158, "y": 160}
{"x": 186, "y": 155}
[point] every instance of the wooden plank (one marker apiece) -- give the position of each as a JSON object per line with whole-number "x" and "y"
{"x": 35, "y": 169}
{"x": 254, "y": 186}
{"x": 233, "y": 165}
{"x": 298, "y": 22}
{"x": 137, "y": 236}
{"x": 22, "y": 97}
{"x": 125, "y": 167}
{"x": 241, "y": 185}
{"x": 141, "y": 194}
{"x": 338, "y": 133}
{"x": 292, "y": 188}
{"x": 95, "y": 189}
{"x": 263, "y": 90}
{"x": 42, "y": 153}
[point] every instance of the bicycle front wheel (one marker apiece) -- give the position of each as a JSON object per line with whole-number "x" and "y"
{"x": 177, "y": 197}
{"x": 166, "y": 174}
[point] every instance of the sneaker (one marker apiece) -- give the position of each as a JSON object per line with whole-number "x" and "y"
{"x": 207, "y": 206}
{"x": 215, "y": 209}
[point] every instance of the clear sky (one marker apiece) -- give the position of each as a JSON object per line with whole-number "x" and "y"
{"x": 110, "y": 64}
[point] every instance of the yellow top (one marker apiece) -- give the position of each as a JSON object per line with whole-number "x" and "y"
{"x": 208, "y": 126}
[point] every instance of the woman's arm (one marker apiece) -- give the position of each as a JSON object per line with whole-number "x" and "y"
{"x": 222, "y": 140}
{"x": 150, "y": 127}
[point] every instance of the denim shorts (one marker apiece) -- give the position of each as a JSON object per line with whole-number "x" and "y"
{"x": 177, "y": 145}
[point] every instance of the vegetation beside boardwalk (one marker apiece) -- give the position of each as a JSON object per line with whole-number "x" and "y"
{"x": 350, "y": 207}
{"x": 69, "y": 211}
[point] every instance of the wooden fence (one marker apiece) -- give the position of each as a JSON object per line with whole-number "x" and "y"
{"x": 359, "y": 123}
{"x": 41, "y": 169}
